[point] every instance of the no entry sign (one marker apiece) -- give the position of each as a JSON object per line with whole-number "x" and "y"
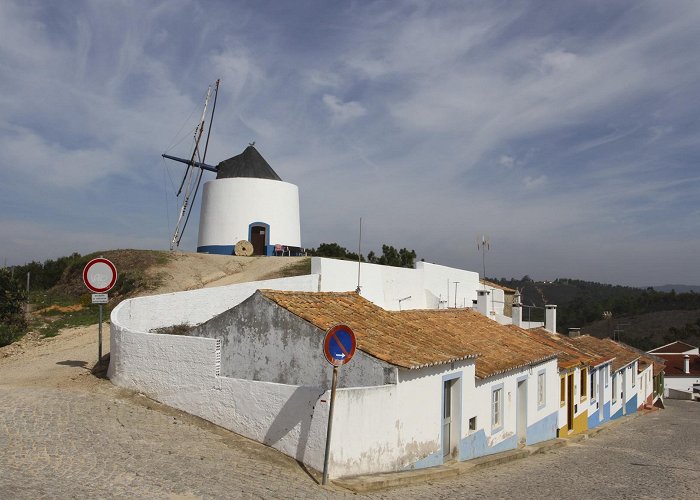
{"x": 339, "y": 345}
{"x": 100, "y": 275}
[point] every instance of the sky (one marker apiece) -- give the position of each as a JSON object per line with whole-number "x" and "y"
{"x": 567, "y": 132}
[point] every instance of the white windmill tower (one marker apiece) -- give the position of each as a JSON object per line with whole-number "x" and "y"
{"x": 247, "y": 210}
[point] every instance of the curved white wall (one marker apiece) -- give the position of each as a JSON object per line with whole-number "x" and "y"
{"x": 229, "y": 206}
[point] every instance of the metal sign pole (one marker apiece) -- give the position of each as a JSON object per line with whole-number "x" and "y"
{"x": 99, "y": 344}
{"x": 330, "y": 426}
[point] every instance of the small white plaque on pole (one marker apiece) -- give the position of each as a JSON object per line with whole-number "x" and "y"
{"x": 100, "y": 298}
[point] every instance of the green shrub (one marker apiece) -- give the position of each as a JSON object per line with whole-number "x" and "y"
{"x": 13, "y": 299}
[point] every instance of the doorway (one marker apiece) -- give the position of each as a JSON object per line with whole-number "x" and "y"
{"x": 258, "y": 237}
{"x": 601, "y": 394}
{"x": 570, "y": 401}
{"x": 451, "y": 414}
{"x": 624, "y": 391}
{"x": 522, "y": 412}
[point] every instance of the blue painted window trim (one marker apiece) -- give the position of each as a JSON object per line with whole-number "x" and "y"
{"x": 542, "y": 373}
{"x": 497, "y": 428}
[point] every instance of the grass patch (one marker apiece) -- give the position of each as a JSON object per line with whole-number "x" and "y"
{"x": 83, "y": 317}
{"x": 299, "y": 268}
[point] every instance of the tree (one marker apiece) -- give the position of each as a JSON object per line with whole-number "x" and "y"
{"x": 13, "y": 297}
{"x": 408, "y": 257}
{"x": 397, "y": 258}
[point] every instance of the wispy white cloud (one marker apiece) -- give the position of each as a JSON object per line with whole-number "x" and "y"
{"x": 534, "y": 182}
{"x": 434, "y": 105}
{"x": 343, "y": 112}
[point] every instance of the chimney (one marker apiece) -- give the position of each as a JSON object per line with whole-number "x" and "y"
{"x": 686, "y": 364}
{"x": 550, "y": 318}
{"x": 574, "y": 332}
{"x": 517, "y": 314}
{"x": 482, "y": 301}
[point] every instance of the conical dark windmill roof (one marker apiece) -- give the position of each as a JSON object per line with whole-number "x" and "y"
{"x": 249, "y": 163}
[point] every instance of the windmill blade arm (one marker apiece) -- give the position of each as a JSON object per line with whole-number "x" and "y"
{"x": 191, "y": 163}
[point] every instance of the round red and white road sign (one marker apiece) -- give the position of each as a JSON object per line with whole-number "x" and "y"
{"x": 100, "y": 275}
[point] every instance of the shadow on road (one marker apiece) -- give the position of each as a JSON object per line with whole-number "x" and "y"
{"x": 73, "y": 362}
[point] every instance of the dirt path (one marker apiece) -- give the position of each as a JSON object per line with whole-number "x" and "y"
{"x": 187, "y": 271}
{"x": 66, "y": 360}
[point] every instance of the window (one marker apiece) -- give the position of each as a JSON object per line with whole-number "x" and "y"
{"x": 584, "y": 383}
{"x": 614, "y": 389}
{"x": 541, "y": 394}
{"x": 594, "y": 384}
{"x": 634, "y": 376}
{"x": 472, "y": 424}
{"x": 562, "y": 391}
{"x": 497, "y": 408}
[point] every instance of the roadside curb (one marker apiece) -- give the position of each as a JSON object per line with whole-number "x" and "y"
{"x": 375, "y": 482}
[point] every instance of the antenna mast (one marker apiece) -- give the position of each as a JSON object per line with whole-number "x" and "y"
{"x": 483, "y": 243}
{"x": 359, "y": 259}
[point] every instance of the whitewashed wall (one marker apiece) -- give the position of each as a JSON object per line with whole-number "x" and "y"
{"x": 482, "y": 402}
{"x": 616, "y": 399}
{"x": 645, "y": 384}
{"x": 229, "y": 206}
{"x": 376, "y": 429}
{"x": 143, "y": 314}
{"x": 180, "y": 371}
{"x": 385, "y": 285}
{"x": 680, "y": 384}
{"x": 394, "y": 427}
{"x": 626, "y": 391}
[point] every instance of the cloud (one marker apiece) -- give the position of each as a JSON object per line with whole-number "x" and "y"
{"x": 506, "y": 161}
{"x": 343, "y": 112}
{"x": 598, "y": 106}
{"x": 534, "y": 182}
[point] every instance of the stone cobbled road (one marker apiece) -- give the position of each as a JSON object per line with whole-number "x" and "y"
{"x": 102, "y": 442}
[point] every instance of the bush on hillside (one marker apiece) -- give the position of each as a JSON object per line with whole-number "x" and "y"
{"x": 13, "y": 298}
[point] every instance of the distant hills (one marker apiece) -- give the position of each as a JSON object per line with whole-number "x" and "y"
{"x": 644, "y": 318}
{"x": 678, "y": 288}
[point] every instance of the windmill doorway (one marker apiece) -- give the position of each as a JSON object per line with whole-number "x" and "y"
{"x": 259, "y": 237}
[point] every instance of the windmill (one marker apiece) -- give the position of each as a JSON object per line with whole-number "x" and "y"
{"x": 247, "y": 210}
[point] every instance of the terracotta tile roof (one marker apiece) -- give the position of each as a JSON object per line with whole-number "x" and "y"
{"x": 675, "y": 365}
{"x": 569, "y": 356}
{"x": 605, "y": 349}
{"x": 413, "y": 339}
{"x": 673, "y": 347}
{"x": 496, "y": 285}
{"x": 645, "y": 361}
{"x": 500, "y": 349}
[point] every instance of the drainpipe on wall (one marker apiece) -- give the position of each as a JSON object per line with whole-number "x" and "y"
{"x": 550, "y": 318}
